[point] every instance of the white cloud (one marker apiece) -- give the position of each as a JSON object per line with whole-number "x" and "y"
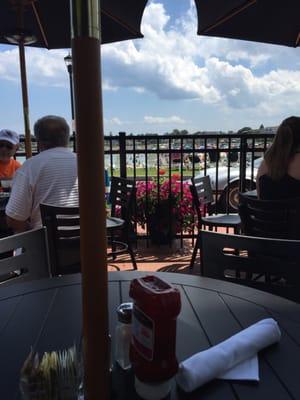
{"x": 156, "y": 19}
{"x": 113, "y": 120}
{"x": 242, "y": 89}
{"x": 160, "y": 63}
{"x": 174, "y": 63}
{"x": 46, "y": 68}
{"x": 163, "y": 120}
{"x": 107, "y": 86}
{"x": 254, "y": 59}
{"x": 139, "y": 89}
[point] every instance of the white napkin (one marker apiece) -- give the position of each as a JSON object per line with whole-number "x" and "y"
{"x": 245, "y": 370}
{"x": 235, "y": 358}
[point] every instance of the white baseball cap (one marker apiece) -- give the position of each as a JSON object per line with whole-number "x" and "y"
{"x": 9, "y": 136}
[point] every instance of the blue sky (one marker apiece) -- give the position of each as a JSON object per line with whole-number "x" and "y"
{"x": 171, "y": 79}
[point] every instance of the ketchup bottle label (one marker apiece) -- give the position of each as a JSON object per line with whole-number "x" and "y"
{"x": 143, "y": 333}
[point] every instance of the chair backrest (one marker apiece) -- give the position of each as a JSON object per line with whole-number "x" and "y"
{"x": 277, "y": 259}
{"x": 203, "y": 189}
{"x": 265, "y": 218}
{"x": 63, "y": 233}
{"x": 122, "y": 198}
{"x": 202, "y": 195}
{"x": 25, "y": 252}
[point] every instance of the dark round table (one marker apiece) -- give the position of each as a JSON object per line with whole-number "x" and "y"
{"x": 47, "y": 315}
{"x": 113, "y": 223}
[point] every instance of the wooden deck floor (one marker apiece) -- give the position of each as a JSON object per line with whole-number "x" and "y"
{"x": 159, "y": 258}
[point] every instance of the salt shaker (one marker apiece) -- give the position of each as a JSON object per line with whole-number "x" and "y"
{"x": 123, "y": 335}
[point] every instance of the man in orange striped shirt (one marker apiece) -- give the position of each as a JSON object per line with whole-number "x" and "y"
{"x": 9, "y": 141}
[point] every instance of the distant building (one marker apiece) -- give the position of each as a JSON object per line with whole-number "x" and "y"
{"x": 270, "y": 129}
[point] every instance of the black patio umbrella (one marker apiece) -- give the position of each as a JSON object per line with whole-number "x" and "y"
{"x": 121, "y": 20}
{"x": 46, "y": 23}
{"x": 266, "y": 21}
{"x": 49, "y": 21}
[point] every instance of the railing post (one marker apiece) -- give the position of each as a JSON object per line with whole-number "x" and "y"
{"x": 122, "y": 145}
{"x": 243, "y": 163}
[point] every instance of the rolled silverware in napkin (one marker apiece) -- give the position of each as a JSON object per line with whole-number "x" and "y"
{"x": 214, "y": 362}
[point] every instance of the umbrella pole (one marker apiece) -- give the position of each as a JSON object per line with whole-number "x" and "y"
{"x": 90, "y": 149}
{"x": 25, "y": 100}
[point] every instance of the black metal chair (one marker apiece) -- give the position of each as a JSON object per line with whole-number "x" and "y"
{"x": 275, "y": 261}
{"x": 25, "y": 257}
{"x": 203, "y": 198}
{"x": 122, "y": 199}
{"x": 63, "y": 230}
{"x": 63, "y": 233}
{"x": 4, "y": 229}
{"x": 266, "y": 218}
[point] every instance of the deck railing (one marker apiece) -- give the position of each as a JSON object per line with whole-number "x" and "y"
{"x": 229, "y": 159}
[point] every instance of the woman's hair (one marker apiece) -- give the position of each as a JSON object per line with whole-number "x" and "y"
{"x": 52, "y": 131}
{"x": 285, "y": 145}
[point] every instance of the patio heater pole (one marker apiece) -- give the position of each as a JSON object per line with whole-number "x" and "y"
{"x": 25, "y": 99}
{"x": 20, "y": 37}
{"x": 85, "y": 20}
{"x": 68, "y": 62}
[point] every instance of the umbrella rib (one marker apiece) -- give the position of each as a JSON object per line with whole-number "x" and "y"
{"x": 231, "y": 14}
{"x": 297, "y": 40}
{"x": 120, "y": 22}
{"x": 38, "y": 20}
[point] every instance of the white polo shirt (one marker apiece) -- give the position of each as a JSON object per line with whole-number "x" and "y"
{"x": 49, "y": 177}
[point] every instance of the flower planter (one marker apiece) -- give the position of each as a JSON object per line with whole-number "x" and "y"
{"x": 166, "y": 207}
{"x": 162, "y": 224}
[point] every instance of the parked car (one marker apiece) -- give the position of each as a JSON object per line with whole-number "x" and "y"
{"x": 229, "y": 188}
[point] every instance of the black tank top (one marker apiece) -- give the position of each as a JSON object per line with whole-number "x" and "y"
{"x": 286, "y": 188}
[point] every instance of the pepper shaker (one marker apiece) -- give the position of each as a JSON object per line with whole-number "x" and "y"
{"x": 123, "y": 335}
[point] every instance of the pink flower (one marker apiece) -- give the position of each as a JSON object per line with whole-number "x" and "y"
{"x": 152, "y": 194}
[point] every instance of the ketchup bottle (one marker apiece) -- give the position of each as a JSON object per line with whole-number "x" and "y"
{"x": 153, "y": 345}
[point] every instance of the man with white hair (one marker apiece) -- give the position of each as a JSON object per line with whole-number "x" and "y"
{"x": 49, "y": 177}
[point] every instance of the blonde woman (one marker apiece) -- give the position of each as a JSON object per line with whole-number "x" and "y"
{"x": 278, "y": 176}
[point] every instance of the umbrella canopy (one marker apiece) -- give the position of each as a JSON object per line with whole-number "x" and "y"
{"x": 49, "y": 21}
{"x": 267, "y": 21}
